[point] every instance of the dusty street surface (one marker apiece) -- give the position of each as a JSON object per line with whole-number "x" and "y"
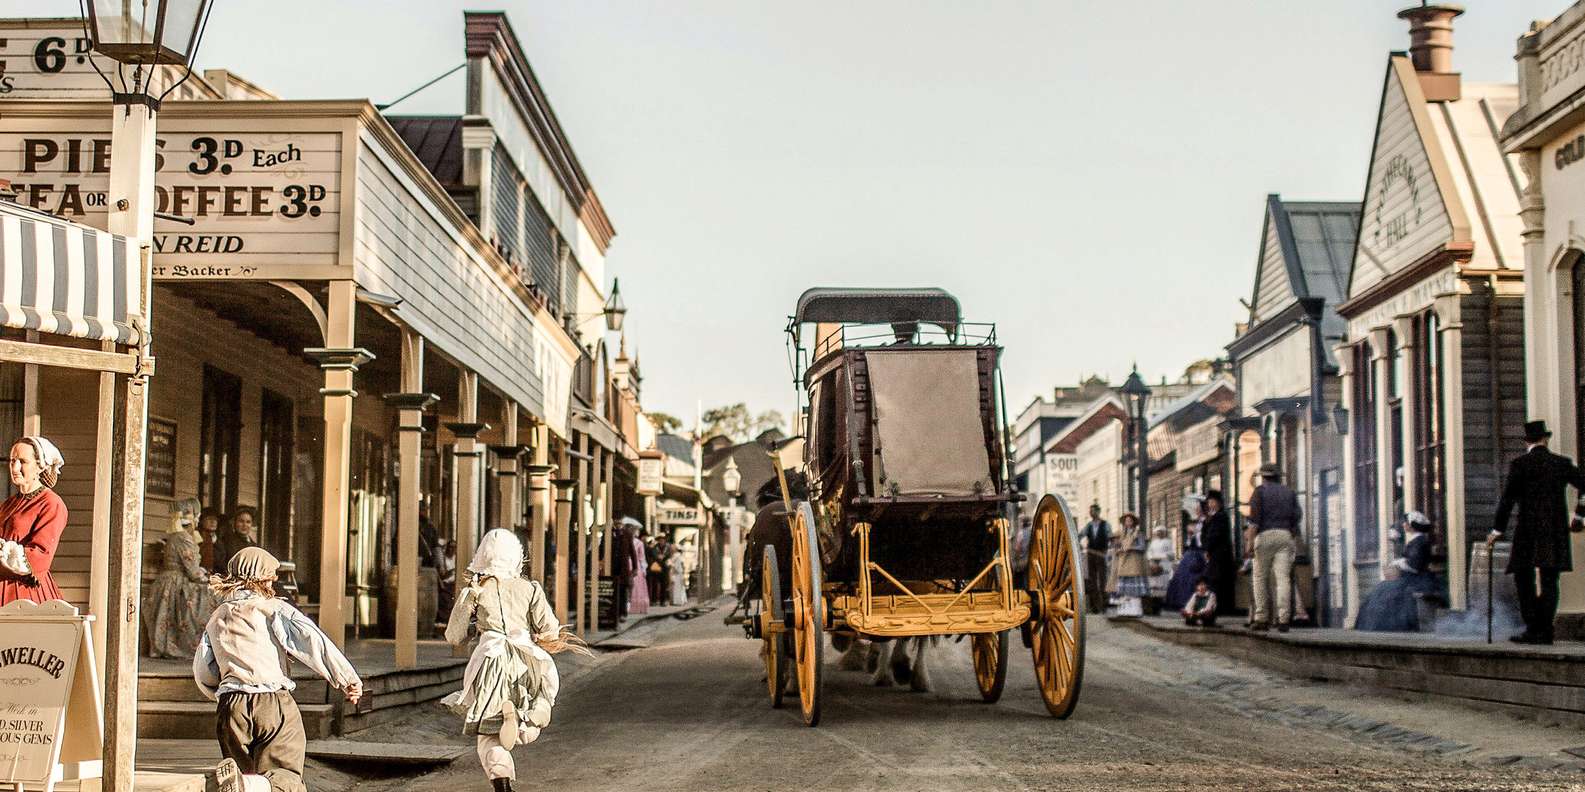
{"x": 689, "y": 713}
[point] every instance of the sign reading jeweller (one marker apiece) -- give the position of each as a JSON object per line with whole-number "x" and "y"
{"x": 49, "y": 705}
{"x": 256, "y": 199}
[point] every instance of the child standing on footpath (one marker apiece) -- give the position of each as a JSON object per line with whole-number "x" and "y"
{"x": 242, "y": 664}
{"x": 511, "y": 682}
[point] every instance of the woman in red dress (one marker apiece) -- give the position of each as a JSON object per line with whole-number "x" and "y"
{"x": 31, "y": 522}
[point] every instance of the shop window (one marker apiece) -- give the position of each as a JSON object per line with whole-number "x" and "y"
{"x": 221, "y": 440}
{"x": 1363, "y": 432}
{"x": 1429, "y": 473}
{"x": 276, "y": 431}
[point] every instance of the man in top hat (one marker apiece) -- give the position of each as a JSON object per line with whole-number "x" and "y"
{"x": 1537, "y": 484}
{"x": 1272, "y": 539}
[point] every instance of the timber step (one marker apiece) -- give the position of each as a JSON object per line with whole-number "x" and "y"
{"x": 196, "y": 720}
{"x": 171, "y": 706}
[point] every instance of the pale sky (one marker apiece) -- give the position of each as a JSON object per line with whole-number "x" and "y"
{"x": 1089, "y": 175}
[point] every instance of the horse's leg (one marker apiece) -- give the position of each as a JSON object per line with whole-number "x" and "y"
{"x": 921, "y": 676}
{"x": 902, "y": 663}
{"x": 853, "y": 657}
{"x": 883, "y": 664}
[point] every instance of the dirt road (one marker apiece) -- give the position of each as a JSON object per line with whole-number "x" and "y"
{"x": 689, "y": 713}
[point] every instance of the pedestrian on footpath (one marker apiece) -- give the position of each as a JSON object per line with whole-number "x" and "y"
{"x": 242, "y": 665}
{"x": 510, "y": 684}
{"x": 31, "y": 522}
{"x": 1538, "y": 484}
{"x": 1216, "y": 537}
{"x": 1133, "y": 581}
{"x": 1096, "y": 538}
{"x": 1272, "y": 540}
{"x": 1200, "y": 610}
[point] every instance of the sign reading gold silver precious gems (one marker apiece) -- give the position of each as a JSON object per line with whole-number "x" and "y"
{"x": 1399, "y": 175}
{"x": 263, "y": 204}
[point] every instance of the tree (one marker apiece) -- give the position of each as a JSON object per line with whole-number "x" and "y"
{"x": 735, "y": 421}
{"x": 665, "y": 424}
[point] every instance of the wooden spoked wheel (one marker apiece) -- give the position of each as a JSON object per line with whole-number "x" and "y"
{"x": 1057, "y": 625}
{"x": 808, "y": 612}
{"x": 773, "y": 614}
{"x": 990, "y": 664}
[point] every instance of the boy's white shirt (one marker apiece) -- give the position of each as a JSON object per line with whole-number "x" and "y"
{"x": 248, "y": 641}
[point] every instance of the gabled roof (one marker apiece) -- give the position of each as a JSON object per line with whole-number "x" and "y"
{"x": 1101, "y": 412}
{"x": 1186, "y": 404}
{"x": 1462, "y": 192}
{"x": 1316, "y": 240}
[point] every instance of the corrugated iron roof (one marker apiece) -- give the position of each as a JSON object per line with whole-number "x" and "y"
{"x": 437, "y": 142}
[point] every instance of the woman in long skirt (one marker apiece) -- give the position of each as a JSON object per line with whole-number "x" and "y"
{"x": 177, "y": 603}
{"x": 1133, "y": 582}
{"x": 31, "y": 522}
{"x": 510, "y": 683}
{"x": 1194, "y": 564}
{"x": 638, "y": 601}
{"x": 1393, "y": 605}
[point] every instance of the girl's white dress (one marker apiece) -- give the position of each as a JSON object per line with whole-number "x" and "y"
{"x": 510, "y": 684}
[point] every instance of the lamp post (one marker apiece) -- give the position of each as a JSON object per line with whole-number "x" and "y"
{"x": 732, "y": 480}
{"x": 1138, "y": 393}
{"x": 139, "y": 37}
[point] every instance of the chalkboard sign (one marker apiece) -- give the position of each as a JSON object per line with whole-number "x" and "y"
{"x": 159, "y": 472}
{"x": 609, "y": 610}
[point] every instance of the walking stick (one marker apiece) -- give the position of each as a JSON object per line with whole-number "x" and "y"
{"x": 1490, "y": 552}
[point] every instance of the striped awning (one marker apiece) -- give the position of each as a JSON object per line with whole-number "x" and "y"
{"x": 60, "y": 277}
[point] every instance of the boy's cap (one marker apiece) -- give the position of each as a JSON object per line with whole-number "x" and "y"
{"x": 252, "y": 563}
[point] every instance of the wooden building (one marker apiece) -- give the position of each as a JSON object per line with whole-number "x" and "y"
{"x": 1287, "y": 375}
{"x": 1433, "y": 364}
{"x": 351, "y": 332}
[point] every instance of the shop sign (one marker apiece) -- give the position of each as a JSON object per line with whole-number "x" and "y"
{"x": 41, "y": 688}
{"x": 1062, "y": 475}
{"x": 264, "y": 204}
{"x": 54, "y": 62}
{"x": 681, "y": 516}
{"x": 651, "y": 473}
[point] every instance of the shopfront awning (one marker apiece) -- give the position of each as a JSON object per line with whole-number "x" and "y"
{"x": 68, "y": 279}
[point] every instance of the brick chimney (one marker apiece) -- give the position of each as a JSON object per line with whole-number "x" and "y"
{"x": 1431, "y": 49}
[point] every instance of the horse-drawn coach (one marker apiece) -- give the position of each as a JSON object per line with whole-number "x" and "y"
{"x": 905, "y": 530}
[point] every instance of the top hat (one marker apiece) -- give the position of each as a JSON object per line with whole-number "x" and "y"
{"x": 1536, "y": 430}
{"x": 1214, "y": 494}
{"x": 1270, "y": 471}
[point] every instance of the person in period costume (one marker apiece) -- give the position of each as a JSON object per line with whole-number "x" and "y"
{"x": 1160, "y": 559}
{"x": 1216, "y": 539}
{"x": 510, "y": 684}
{"x": 243, "y": 531}
{"x": 1132, "y": 573}
{"x": 638, "y": 600}
{"x": 1392, "y": 606}
{"x": 1200, "y": 610}
{"x": 1194, "y": 563}
{"x": 621, "y": 567}
{"x": 31, "y": 522}
{"x": 677, "y": 574}
{"x": 1538, "y": 484}
{"x": 208, "y": 533}
{"x": 1097, "y": 539}
{"x": 242, "y": 665}
{"x": 1272, "y": 540}
{"x": 178, "y": 601}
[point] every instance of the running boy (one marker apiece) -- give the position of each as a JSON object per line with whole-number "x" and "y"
{"x": 241, "y": 663}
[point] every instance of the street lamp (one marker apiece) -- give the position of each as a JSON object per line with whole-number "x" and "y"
{"x": 732, "y": 480}
{"x": 1138, "y": 393}
{"x": 615, "y": 309}
{"x": 143, "y": 34}
{"x": 147, "y": 32}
